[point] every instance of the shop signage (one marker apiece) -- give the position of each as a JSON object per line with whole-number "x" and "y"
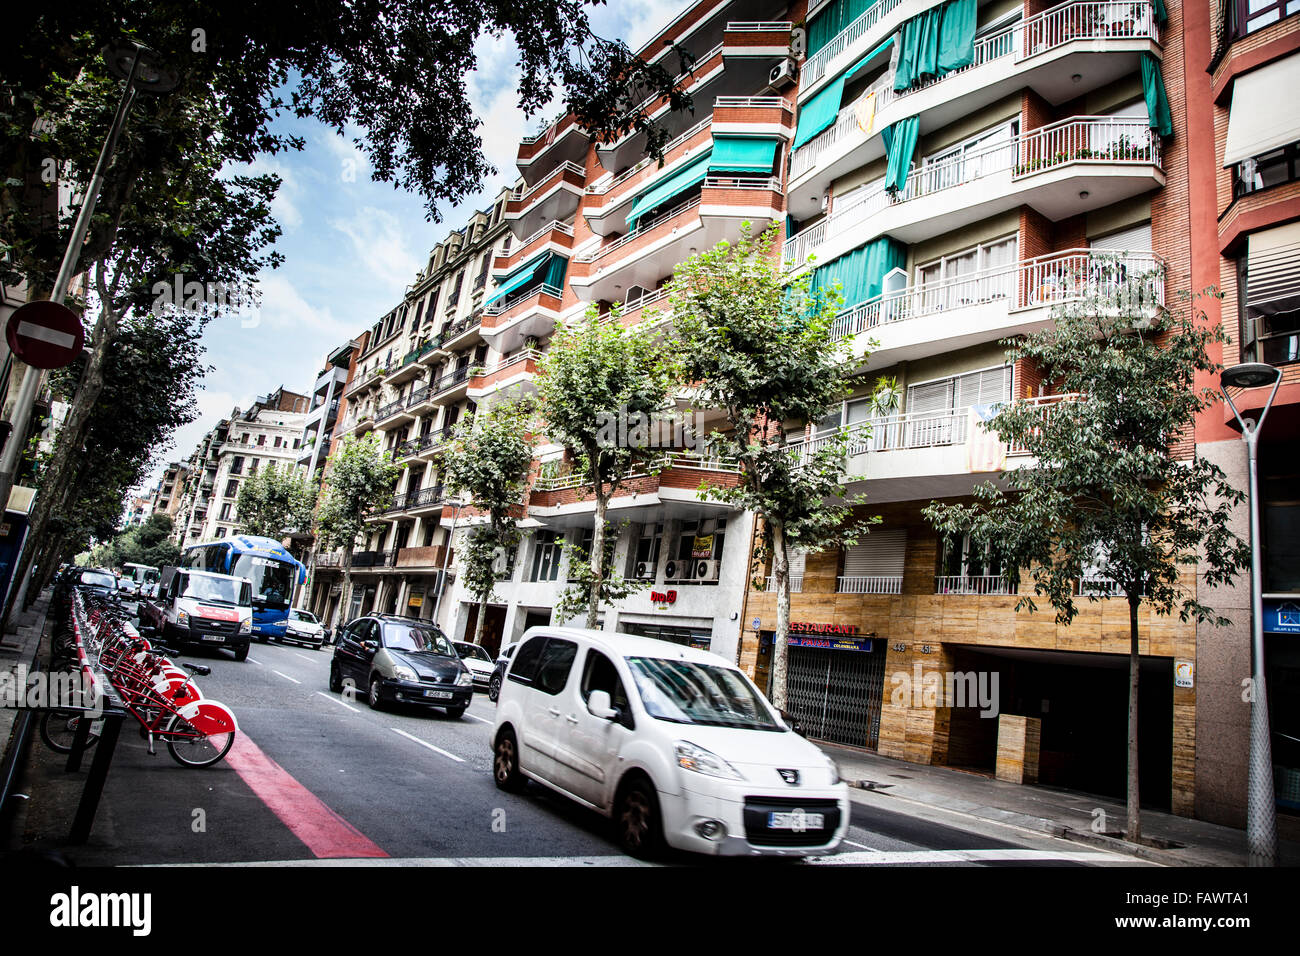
{"x": 833, "y": 643}
{"x": 757, "y": 622}
{"x": 1282, "y": 617}
{"x": 702, "y": 546}
{"x": 663, "y": 597}
{"x": 1184, "y": 674}
{"x": 810, "y": 627}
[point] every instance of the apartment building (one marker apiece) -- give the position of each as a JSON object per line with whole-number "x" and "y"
{"x": 170, "y": 490}
{"x": 268, "y": 433}
{"x": 959, "y": 168}
{"x": 1244, "y": 61}
{"x": 323, "y": 414}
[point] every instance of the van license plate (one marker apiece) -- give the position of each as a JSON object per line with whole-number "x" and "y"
{"x": 214, "y": 638}
{"x": 439, "y": 694}
{"x": 796, "y": 820}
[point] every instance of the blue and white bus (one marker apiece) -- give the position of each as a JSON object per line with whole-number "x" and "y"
{"x": 275, "y": 574}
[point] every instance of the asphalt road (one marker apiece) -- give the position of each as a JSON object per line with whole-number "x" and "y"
{"x": 409, "y": 784}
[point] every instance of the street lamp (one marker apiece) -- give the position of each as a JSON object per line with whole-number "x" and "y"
{"x": 1261, "y": 811}
{"x": 446, "y": 557}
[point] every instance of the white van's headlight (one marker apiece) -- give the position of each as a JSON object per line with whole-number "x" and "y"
{"x": 691, "y": 757}
{"x": 246, "y": 626}
{"x": 833, "y": 767}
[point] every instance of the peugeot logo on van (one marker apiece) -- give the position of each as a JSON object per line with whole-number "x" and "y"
{"x": 789, "y": 776}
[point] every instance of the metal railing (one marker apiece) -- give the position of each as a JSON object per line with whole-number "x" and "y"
{"x": 599, "y": 188}
{"x": 508, "y": 303}
{"x": 972, "y": 584}
{"x": 796, "y": 583}
{"x": 756, "y": 102}
{"x": 743, "y": 182}
{"x": 1099, "y": 587}
{"x": 759, "y": 26}
{"x": 648, "y": 299}
{"x": 389, "y": 410}
{"x": 1093, "y": 138}
{"x": 814, "y": 67}
{"x": 527, "y": 355}
{"x": 869, "y": 584}
{"x": 669, "y": 460}
{"x": 450, "y": 380}
{"x": 417, "y": 396}
{"x": 641, "y": 229}
{"x": 554, "y": 225}
{"x": 520, "y": 195}
{"x": 1055, "y": 277}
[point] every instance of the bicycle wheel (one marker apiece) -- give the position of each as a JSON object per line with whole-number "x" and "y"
{"x": 191, "y": 748}
{"x": 58, "y": 728}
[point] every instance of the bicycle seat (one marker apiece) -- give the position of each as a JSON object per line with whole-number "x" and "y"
{"x": 198, "y": 669}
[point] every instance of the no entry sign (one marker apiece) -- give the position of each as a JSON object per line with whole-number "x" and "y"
{"x": 45, "y": 334}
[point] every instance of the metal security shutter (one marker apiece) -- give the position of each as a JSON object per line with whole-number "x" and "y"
{"x": 837, "y": 695}
{"x": 1273, "y": 270}
{"x": 797, "y": 561}
{"x": 931, "y": 397}
{"x": 1135, "y": 239}
{"x": 984, "y": 388}
{"x": 879, "y": 553}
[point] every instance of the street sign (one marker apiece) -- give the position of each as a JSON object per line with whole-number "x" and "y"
{"x": 45, "y": 334}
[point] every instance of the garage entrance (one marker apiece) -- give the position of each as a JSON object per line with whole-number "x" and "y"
{"x": 835, "y": 694}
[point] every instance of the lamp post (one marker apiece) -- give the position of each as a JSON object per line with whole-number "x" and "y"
{"x": 1261, "y": 810}
{"x": 446, "y": 558}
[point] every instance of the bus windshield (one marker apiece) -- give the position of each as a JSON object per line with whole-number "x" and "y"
{"x": 272, "y": 579}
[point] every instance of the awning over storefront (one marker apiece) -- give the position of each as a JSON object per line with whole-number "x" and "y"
{"x": 1259, "y": 120}
{"x": 666, "y": 189}
{"x": 737, "y": 154}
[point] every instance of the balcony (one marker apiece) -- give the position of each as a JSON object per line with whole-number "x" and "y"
{"x": 370, "y": 380}
{"x": 556, "y": 197}
{"x": 394, "y": 413}
{"x": 766, "y": 39}
{"x": 530, "y": 313}
{"x": 457, "y": 336}
{"x": 926, "y": 454}
{"x": 796, "y": 584}
{"x": 410, "y": 366}
{"x": 419, "y": 401}
{"x": 434, "y": 556}
{"x": 1098, "y": 42}
{"x": 425, "y": 446}
{"x": 1064, "y": 169}
{"x": 753, "y": 115}
{"x": 674, "y": 478}
{"x": 426, "y": 500}
{"x": 990, "y": 305}
{"x": 517, "y": 371}
{"x": 450, "y": 385}
{"x": 643, "y": 257}
{"x": 972, "y": 584}
{"x": 554, "y": 236}
{"x": 564, "y": 141}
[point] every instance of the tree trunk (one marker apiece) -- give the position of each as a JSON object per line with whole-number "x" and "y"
{"x": 1133, "y": 824}
{"x": 480, "y": 626}
{"x": 597, "y": 556}
{"x": 345, "y": 599}
{"x": 781, "y": 576}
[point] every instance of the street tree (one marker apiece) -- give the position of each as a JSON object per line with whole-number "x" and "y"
{"x": 488, "y": 463}
{"x": 761, "y": 349}
{"x": 595, "y": 375}
{"x": 1113, "y": 494}
{"x": 361, "y": 480}
{"x": 274, "y": 501}
{"x": 148, "y": 542}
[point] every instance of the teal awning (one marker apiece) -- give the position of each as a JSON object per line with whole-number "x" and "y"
{"x": 735, "y": 154}
{"x": 938, "y": 41}
{"x": 1153, "y": 90}
{"x": 861, "y": 273}
{"x": 900, "y": 145}
{"x": 831, "y": 20}
{"x": 1161, "y": 14}
{"x": 666, "y": 189}
{"x": 820, "y": 111}
{"x": 542, "y": 265}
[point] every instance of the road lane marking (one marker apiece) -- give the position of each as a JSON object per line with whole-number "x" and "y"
{"x": 862, "y": 846}
{"x": 305, "y": 657}
{"x": 251, "y": 661}
{"x": 896, "y": 857}
{"x": 333, "y": 699}
{"x": 324, "y": 832}
{"x": 425, "y": 743}
{"x": 481, "y": 720}
{"x": 285, "y": 676}
{"x": 439, "y": 861}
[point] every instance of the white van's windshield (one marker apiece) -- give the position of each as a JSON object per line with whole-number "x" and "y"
{"x": 685, "y": 692}
{"x": 217, "y": 590}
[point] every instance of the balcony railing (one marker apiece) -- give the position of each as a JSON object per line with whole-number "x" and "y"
{"x": 675, "y": 459}
{"x": 754, "y": 102}
{"x": 814, "y": 68}
{"x": 759, "y": 26}
{"x": 519, "y": 358}
{"x": 450, "y": 380}
{"x": 972, "y": 584}
{"x": 1099, "y": 587}
{"x": 639, "y": 303}
{"x": 869, "y": 584}
{"x": 641, "y": 229}
{"x": 418, "y": 395}
{"x": 520, "y": 195}
{"x": 742, "y": 182}
{"x": 554, "y": 225}
{"x": 796, "y": 584}
{"x": 600, "y": 187}
{"x": 1116, "y": 139}
{"x": 1056, "y": 277}
{"x": 1083, "y": 19}
{"x": 388, "y": 411}
{"x": 506, "y": 304}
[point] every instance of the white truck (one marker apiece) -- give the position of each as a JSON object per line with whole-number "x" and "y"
{"x": 201, "y": 608}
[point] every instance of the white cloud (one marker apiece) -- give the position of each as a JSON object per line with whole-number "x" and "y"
{"x": 382, "y": 257}
{"x": 285, "y": 205}
{"x": 349, "y": 162}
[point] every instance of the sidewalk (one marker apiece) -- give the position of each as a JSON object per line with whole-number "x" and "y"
{"x": 1067, "y": 814}
{"x": 19, "y": 651}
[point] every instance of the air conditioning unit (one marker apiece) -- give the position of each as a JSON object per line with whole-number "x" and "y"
{"x": 670, "y": 570}
{"x": 706, "y": 570}
{"x": 645, "y": 571}
{"x": 783, "y": 74}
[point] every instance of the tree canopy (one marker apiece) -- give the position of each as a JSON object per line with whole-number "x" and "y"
{"x": 274, "y": 501}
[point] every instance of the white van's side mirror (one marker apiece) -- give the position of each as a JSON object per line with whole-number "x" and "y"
{"x": 599, "y": 705}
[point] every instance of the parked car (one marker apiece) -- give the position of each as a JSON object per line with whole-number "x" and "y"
{"x": 401, "y": 660}
{"x": 199, "y": 607}
{"x": 479, "y": 662}
{"x": 675, "y": 744}
{"x": 100, "y": 582}
{"x": 303, "y": 628}
{"x": 499, "y": 671}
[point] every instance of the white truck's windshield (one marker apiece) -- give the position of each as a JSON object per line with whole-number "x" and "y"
{"x": 218, "y": 590}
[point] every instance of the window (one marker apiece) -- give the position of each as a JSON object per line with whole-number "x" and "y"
{"x": 232, "y": 489}
{"x": 546, "y": 557}
{"x": 454, "y": 296}
{"x": 554, "y": 664}
{"x": 1247, "y": 16}
{"x": 481, "y": 279}
{"x": 237, "y": 465}
{"x": 278, "y": 441}
{"x": 525, "y": 663}
{"x": 225, "y": 512}
{"x": 977, "y": 274}
{"x": 261, "y": 441}
{"x": 221, "y": 532}
{"x": 252, "y": 466}
{"x": 1269, "y": 169}
{"x": 581, "y": 551}
{"x": 1269, "y": 296}
{"x": 643, "y": 557}
{"x": 698, "y": 555}
{"x": 983, "y": 153}
{"x": 967, "y": 566}
{"x": 599, "y": 673}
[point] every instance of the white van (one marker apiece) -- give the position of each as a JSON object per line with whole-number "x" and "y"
{"x": 674, "y": 744}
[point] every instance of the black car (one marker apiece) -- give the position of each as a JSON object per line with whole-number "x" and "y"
{"x": 498, "y": 675}
{"x": 99, "y": 582}
{"x": 393, "y": 659}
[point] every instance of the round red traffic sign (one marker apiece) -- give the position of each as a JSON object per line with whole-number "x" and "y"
{"x": 45, "y": 334}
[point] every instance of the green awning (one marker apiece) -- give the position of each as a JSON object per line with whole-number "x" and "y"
{"x": 900, "y": 145}
{"x": 736, "y": 154}
{"x": 820, "y": 111}
{"x": 957, "y": 36}
{"x": 1153, "y": 89}
{"x": 1161, "y": 14}
{"x": 861, "y": 273}
{"x": 831, "y": 20}
{"x": 522, "y": 275}
{"x": 666, "y": 189}
{"x": 938, "y": 41}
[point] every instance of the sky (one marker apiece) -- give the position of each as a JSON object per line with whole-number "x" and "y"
{"x": 352, "y": 246}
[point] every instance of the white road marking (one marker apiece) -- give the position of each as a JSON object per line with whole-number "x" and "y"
{"x": 251, "y": 661}
{"x": 306, "y": 658}
{"x": 896, "y": 857}
{"x": 862, "y": 846}
{"x": 331, "y": 697}
{"x": 425, "y": 743}
{"x": 285, "y": 676}
{"x": 481, "y": 720}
